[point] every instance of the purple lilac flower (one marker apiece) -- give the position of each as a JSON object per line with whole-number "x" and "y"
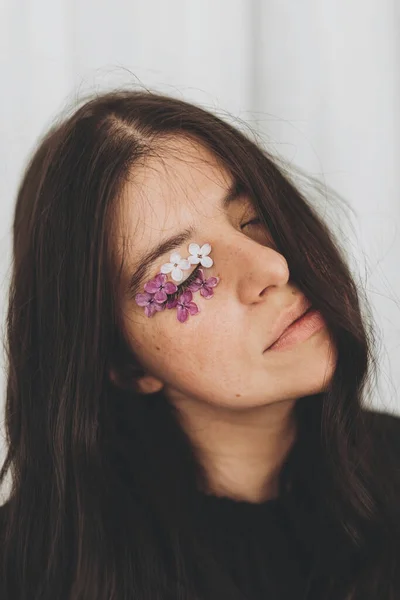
{"x": 204, "y": 285}
{"x": 151, "y": 306}
{"x": 160, "y": 287}
{"x": 186, "y": 306}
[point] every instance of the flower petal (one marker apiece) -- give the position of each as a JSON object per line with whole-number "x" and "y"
{"x": 212, "y": 281}
{"x": 175, "y": 257}
{"x": 193, "y": 308}
{"x": 149, "y": 310}
{"x": 207, "y": 262}
{"x": 160, "y": 296}
{"x": 182, "y": 314}
{"x": 184, "y": 264}
{"x": 170, "y": 287}
{"x": 206, "y": 292}
{"x": 160, "y": 278}
{"x": 195, "y": 285}
{"x": 143, "y": 299}
{"x": 200, "y": 275}
{"x": 193, "y": 260}
{"x": 159, "y": 307}
{"x": 152, "y": 286}
{"x": 194, "y": 249}
{"x": 177, "y": 274}
{"x": 205, "y": 249}
{"x": 186, "y": 296}
{"x": 166, "y": 268}
{"x": 171, "y": 302}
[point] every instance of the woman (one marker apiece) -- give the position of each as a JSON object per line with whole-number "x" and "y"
{"x": 172, "y": 433}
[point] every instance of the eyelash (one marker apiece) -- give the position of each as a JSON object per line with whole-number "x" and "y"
{"x": 185, "y": 284}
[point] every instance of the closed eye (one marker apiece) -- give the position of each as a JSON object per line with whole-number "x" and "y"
{"x": 185, "y": 284}
{"x": 252, "y": 222}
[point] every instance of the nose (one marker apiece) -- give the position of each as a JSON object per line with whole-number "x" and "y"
{"x": 255, "y": 269}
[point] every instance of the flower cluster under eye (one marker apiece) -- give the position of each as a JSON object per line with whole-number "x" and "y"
{"x": 161, "y": 294}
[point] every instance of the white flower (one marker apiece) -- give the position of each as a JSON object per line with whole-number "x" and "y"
{"x": 176, "y": 266}
{"x": 200, "y": 255}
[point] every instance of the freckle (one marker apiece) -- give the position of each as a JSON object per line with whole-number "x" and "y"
{"x": 157, "y": 347}
{"x": 238, "y": 395}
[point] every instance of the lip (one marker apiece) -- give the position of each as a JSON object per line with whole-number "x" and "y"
{"x": 288, "y": 319}
{"x": 301, "y": 330}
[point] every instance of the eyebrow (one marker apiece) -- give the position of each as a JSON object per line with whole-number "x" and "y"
{"x": 173, "y": 242}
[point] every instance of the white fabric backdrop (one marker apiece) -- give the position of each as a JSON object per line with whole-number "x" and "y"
{"x": 319, "y": 79}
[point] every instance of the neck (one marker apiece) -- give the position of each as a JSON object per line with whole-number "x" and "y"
{"x": 242, "y": 452}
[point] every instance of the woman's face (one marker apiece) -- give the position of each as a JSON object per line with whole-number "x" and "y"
{"x": 217, "y": 355}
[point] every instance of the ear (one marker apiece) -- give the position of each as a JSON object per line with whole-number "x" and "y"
{"x": 142, "y": 383}
{"x": 149, "y": 384}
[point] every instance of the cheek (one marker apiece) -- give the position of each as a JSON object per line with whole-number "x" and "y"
{"x": 173, "y": 350}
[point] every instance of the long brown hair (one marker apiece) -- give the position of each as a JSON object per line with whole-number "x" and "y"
{"x": 73, "y": 527}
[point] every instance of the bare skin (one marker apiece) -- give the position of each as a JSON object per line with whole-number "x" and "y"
{"x": 235, "y": 400}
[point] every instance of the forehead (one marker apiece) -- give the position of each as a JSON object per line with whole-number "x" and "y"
{"x": 179, "y": 185}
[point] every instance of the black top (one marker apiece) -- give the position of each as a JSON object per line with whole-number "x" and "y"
{"x": 256, "y": 547}
{"x": 267, "y": 550}
{"x": 266, "y": 554}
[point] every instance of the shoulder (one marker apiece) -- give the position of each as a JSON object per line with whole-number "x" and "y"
{"x": 385, "y": 428}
